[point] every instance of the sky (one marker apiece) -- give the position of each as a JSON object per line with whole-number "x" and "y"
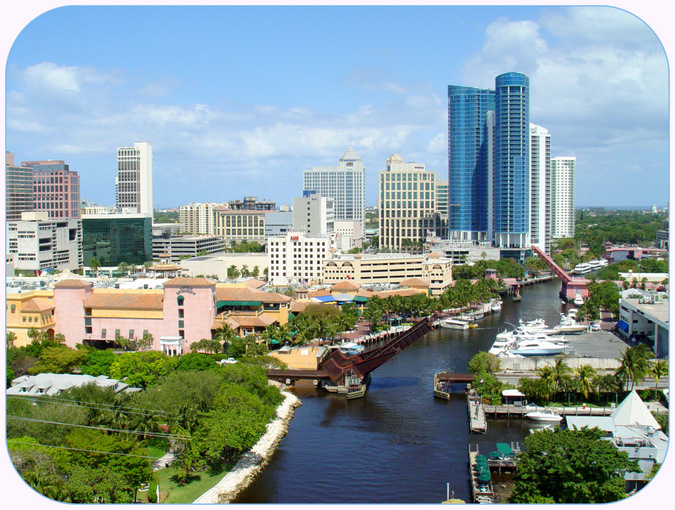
{"x": 238, "y": 101}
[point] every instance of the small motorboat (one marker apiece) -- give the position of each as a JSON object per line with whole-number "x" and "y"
{"x": 545, "y": 416}
{"x": 350, "y": 348}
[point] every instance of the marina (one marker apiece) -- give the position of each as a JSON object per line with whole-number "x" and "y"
{"x": 401, "y": 424}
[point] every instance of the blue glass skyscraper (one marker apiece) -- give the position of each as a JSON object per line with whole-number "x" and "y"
{"x": 468, "y": 161}
{"x": 512, "y": 161}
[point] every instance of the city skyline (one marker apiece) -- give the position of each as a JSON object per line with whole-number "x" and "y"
{"x": 334, "y": 77}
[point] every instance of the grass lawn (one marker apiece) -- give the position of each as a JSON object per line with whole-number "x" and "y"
{"x": 190, "y": 491}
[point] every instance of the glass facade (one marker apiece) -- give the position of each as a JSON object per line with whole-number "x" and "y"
{"x": 468, "y": 159}
{"x": 512, "y": 160}
{"x": 117, "y": 238}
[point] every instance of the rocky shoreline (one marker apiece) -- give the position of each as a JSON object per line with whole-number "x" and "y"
{"x": 253, "y": 461}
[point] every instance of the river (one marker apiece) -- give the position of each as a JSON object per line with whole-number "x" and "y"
{"x": 398, "y": 444}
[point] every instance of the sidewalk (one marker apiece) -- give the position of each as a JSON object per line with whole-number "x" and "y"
{"x": 164, "y": 461}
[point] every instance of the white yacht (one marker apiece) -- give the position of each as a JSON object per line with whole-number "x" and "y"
{"x": 454, "y": 323}
{"x": 545, "y": 416}
{"x": 496, "y": 306}
{"x": 582, "y": 268}
{"x": 538, "y": 347}
{"x": 578, "y": 300}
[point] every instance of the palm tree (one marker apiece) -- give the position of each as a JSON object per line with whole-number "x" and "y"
{"x": 561, "y": 374}
{"x": 585, "y": 375}
{"x": 634, "y": 365}
{"x": 245, "y": 271}
{"x": 255, "y": 272}
{"x": 11, "y": 338}
{"x": 95, "y": 265}
{"x": 224, "y": 334}
{"x": 659, "y": 369}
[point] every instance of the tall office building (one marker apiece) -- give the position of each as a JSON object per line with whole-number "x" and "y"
{"x": 407, "y": 204}
{"x": 512, "y": 161}
{"x": 345, "y": 183}
{"x": 313, "y": 214}
{"x": 562, "y": 196}
{"x": 19, "y": 197}
{"x": 540, "y": 187}
{"x": 56, "y": 188}
{"x": 133, "y": 185}
{"x": 442, "y": 208}
{"x": 468, "y": 159}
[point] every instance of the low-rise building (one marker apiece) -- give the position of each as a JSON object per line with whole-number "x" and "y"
{"x": 181, "y": 247}
{"x": 29, "y": 309}
{"x": 388, "y": 268}
{"x": 237, "y": 226}
{"x": 217, "y": 265}
{"x": 647, "y": 319}
{"x": 182, "y": 312}
{"x": 301, "y": 358}
{"x": 39, "y": 242}
{"x": 49, "y": 385}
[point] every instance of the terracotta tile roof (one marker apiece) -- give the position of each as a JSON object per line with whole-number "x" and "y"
{"x": 414, "y": 282}
{"x": 246, "y": 294}
{"x": 164, "y": 267}
{"x": 299, "y": 306}
{"x": 345, "y": 285}
{"x": 254, "y": 283}
{"x": 37, "y": 305}
{"x": 318, "y": 293}
{"x": 261, "y": 321}
{"x": 72, "y": 284}
{"x": 118, "y": 299}
{"x": 189, "y": 282}
{"x": 400, "y": 292}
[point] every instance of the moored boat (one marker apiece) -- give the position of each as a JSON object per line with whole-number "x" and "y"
{"x": 454, "y": 323}
{"x": 350, "y": 348}
{"x": 545, "y": 416}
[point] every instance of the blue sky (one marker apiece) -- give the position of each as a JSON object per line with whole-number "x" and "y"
{"x": 238, "y": 101}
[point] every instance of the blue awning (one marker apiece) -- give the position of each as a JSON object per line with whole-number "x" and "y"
{"x": 622, "y": 325}
{"x": 325, "y": 299}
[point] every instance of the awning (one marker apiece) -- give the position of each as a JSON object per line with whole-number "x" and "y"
{"x": 622, "y": 325}
{"x": 324, "y": 299}
{"x": 238, "y": 303}
{"x": 360, "y": 299}
{"x": 504, "y": 448}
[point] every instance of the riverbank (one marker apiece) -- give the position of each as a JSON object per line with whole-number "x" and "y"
{"x": 253, "y": 461}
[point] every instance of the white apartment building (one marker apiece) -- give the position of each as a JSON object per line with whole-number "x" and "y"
{"x": 313, "y": 213}
{"x": 37, "y": 242}
{"x": 345, "y": 183}
{"x": 277, "y": 223}
{"x": 133, "y": 184}
{"x": 540, "y": 187}
{"x": 348, "y": 234}
{"x": 197, "y": 218}
{"x": 296, "y": 257}
{"x": 406, "y": 202}
{"x": 562, "y": 196}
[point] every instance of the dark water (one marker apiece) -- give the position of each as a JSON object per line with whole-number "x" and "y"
{"x": 398, "y": 444}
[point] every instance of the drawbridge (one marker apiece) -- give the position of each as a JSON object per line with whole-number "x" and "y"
{"x": 571, "y": 287}
{"x": 342, "y": 370}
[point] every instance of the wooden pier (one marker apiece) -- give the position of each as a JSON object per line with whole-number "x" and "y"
{"x": 443, "y": 381}
{"x": 508, "y": 411}
{"x": 477, "y": 417}
{"x": 481, "y": 490}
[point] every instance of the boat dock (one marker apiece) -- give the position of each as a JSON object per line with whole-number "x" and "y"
{"x": 477, "y": 417}
{"x": 481, "y": 480}
{"x": 444, "y": 380}
{"x": 507, "y": 411}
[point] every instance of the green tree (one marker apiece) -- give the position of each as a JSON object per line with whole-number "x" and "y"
{"x": 570, "y": 466}
{"x": 586, "y": 376}
{"x": 11, "y": 338}
{"x": 144, "y": 343}
{"x": 484, "y": 362}
{"x": 58, "y": 360}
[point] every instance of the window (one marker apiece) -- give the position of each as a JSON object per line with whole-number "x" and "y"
{"x": 181, "y": 313}
{"x": 117, "y": 333}
{"x": 180, "y": 300}
{"x": 12, "y": 308}
{"x": 103, "y": 333}
{"x": 131, "y": 334}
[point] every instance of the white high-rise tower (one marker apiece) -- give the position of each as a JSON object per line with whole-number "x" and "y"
{"x": 562, "y": 196}
{"x": 133, "y": 184}
{"x": 345, "y": 183}
{"x": 540, "y": 187}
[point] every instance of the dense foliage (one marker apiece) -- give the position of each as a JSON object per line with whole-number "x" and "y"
{"x": 570, "y": 466}
{"x": 90, "y": 444}
{"x": 598, "y": 226}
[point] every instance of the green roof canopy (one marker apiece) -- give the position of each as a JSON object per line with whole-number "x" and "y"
{"x": 504, "y": 448}
{"x": 360, "y": 299}
{"x": 238, "y": 303}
